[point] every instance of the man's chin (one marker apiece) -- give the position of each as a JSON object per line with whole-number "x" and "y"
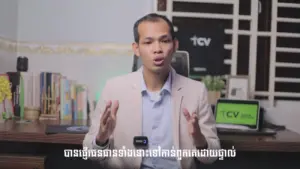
{"x": 159, "y": 69}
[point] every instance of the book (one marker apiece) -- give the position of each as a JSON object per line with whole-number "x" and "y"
{"x": 17, "y": 89}
{"x": 82, "y": 101}
{"x": 31, "y": 89}
{"x": 56, "y": 87}
{"x": 73, "y": 100}
{"x": 56, "y": 96}
{"x": 6, "y": 105}
{"x": 65, "y": 104}
{"x": 50, "y": 95}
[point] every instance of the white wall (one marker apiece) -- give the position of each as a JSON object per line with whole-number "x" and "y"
{"x": 8, "y": 33}
{"x": 285, "y": 113}
{"x": 60, "y": 26}
{"x": 80, "y": 21}
{"x": 9, "y": 19}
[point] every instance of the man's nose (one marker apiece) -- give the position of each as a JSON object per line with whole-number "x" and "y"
{"x": 157, "y": 47}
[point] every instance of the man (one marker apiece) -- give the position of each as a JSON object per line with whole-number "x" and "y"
{"x": 170, "y": 110}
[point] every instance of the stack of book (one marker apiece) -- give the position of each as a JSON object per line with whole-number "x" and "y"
{"x": 55, "y": 95}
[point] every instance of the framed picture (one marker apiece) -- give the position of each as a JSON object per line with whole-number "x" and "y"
{"x": 238, "y": 87}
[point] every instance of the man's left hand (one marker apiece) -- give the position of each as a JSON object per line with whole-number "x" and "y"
{"x": 194, "y": 129}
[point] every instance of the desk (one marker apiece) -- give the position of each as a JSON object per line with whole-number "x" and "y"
{"x": 30, "y": 140}
{"x": 35, "y": 132}
{"x": 26, "y": 146}
{"x": 283, "y": 141}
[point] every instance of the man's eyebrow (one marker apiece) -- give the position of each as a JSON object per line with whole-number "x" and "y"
{"x": 148, "y": 38}
{"x": 161, "y": 37}
{"x": 164, "y": 36}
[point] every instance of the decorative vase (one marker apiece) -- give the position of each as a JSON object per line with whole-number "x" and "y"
{"x": 213, "y": 97}
{"x": 31, "y": 113}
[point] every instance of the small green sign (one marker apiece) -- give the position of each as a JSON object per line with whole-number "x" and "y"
{"x": 233, "y": 113}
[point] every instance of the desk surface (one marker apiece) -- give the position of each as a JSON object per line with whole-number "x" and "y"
{"x": 283, "y": 141}
{"x": 35, "y": 132}
{"x": 286, "y": 141}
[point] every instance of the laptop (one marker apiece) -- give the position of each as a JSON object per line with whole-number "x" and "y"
{"x": 239, "y": 117}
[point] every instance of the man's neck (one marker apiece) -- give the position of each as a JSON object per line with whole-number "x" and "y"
{"x": 155, "y": 81}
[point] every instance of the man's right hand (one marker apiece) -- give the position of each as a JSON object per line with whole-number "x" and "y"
{"x": 107, "y": 122}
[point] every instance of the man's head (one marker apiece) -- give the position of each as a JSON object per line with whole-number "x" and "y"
{"x": 155, "y": 42}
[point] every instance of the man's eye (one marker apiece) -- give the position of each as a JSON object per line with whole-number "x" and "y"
{"x": 147, "y": 42}
{"x": 166, "y": 41}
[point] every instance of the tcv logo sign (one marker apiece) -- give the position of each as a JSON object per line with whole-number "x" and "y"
{"x": 236, "y": 114}
{"x": 231, "y": 114}
{"x": 200, "y": 41}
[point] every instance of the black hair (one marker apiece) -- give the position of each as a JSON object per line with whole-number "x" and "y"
{"x": 152, "y": 17}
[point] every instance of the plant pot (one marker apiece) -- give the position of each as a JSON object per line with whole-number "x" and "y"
{"x": 213, "y": 97}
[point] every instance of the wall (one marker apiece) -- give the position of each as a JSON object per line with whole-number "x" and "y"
{"x": 9, "y": 19}
{"x": 79, "y": 39}
{"x": 284, "y": 113}
{"x": 8, "y": 33}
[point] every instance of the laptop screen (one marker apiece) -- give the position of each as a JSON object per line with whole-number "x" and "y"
{"x": 238, "y": 112}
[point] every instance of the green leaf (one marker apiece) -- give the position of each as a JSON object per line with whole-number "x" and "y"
{"x": 213, "y": 83}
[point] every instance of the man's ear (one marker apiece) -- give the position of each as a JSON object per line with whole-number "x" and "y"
{"x": 135, "y": 48}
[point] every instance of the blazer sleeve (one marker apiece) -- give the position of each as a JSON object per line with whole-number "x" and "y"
{"x": 95, "y": 116}
{"x": 207, "y": 125}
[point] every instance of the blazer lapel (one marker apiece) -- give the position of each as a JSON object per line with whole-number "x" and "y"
{"x": 177, "y": 97}
{"x": 137, "y": 110}
{"x": 137, "y": 100}
{"x": 136, "y": 113}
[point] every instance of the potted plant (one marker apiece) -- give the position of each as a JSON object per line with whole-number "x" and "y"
{"x": 214, "y": 85}
{"x": 5, "y": 97}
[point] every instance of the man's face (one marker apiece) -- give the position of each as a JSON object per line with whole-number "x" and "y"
{"x": 155, "y": 46}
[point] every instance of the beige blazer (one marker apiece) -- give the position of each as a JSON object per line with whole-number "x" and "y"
{"x": 186, "y": 93}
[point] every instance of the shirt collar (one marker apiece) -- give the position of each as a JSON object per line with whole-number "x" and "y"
{"x": 166, "y": 87}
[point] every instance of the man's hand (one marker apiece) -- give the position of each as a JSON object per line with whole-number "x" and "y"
{"x": 107, "y": 122}
{"x": 194, "y": 129}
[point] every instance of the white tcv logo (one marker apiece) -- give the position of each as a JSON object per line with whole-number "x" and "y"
{"x": 200, "y": 41}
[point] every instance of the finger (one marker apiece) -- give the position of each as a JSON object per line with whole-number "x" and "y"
{"x": 106, "y": 112}
{"x": 195, "y": 120}
{"x": 109, "y": 119}
{"x": 107, "y": 105}
{"x": 110, "y": 124}
{"x": 194, "y": 115}
{"x": 186, "y": 114}
{"x": 107, "y": 116}
{"x": 114, "y": 110}
{"x": 107, "y": 124}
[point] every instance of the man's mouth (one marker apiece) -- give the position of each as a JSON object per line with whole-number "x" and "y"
{"x": 159, "y": 61}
